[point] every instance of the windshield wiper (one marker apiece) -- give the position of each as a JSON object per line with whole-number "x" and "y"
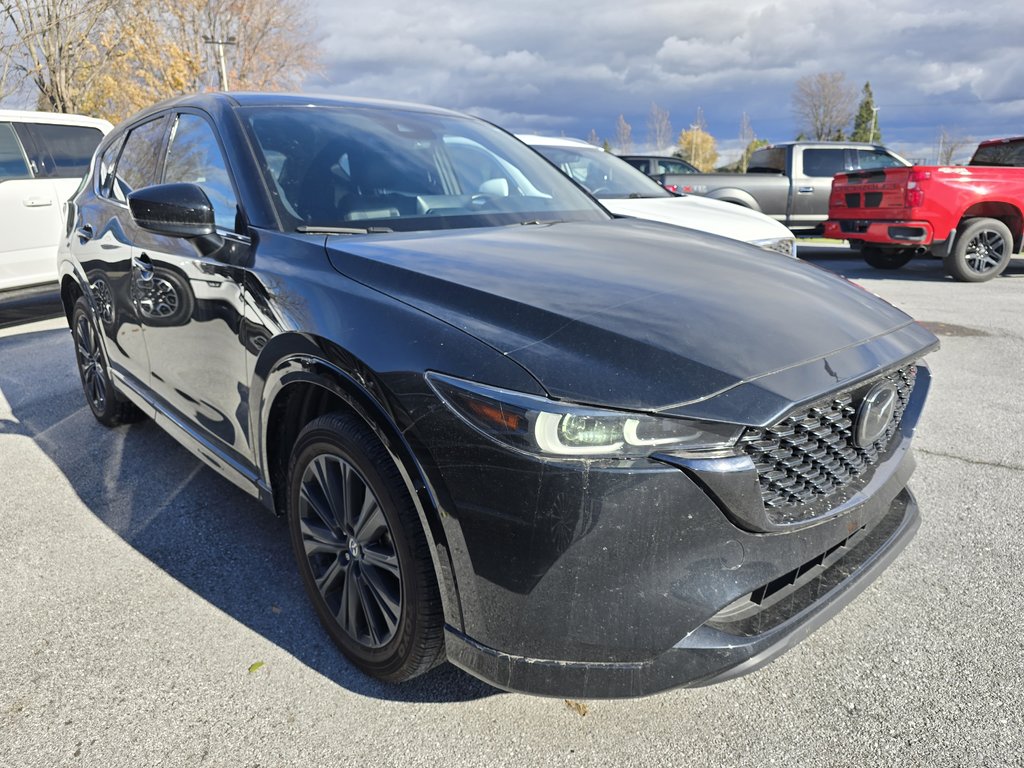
{"x": 314, "y": 230}
{"x": 539, "y": 222}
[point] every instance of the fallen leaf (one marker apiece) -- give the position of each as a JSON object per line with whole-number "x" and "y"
{"x": 578, "y": 707}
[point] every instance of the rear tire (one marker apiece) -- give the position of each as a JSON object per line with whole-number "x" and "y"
{"x": 980, "y": 252}
{"x": 361, "y": 550}
{"x": 106, "y": 404}
{"x": 886, "y": 258}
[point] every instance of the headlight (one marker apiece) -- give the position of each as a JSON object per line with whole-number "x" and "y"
{"x": 550, "y": 428}
{"x": 784, "y": 245}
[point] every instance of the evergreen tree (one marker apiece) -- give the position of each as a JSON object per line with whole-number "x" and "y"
{"x": 865, "y": 124}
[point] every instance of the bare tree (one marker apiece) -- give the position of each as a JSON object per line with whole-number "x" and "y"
{"x": 271, "y": 50}
{"x": 112, "y": 57}
{"x": 593, "y": 138}
{"x": 623, "y": 136}
{"x": 659, "y": 128}
{"x": 57, "y": 48}
{"x": 950, "y": 145}
{"x": 9, "y": 81}
{"x": 747, "y": 139}
{"x": 824, "y": 105}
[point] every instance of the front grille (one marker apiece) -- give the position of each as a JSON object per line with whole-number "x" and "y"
{"x": 811, "y": 454}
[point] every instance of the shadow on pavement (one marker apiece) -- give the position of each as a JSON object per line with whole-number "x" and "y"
{"x": 848, "y": 263}
{"x": 184, "y": 518}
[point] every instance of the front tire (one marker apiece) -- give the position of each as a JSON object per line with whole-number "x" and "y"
{"x": 361, "y": 550}
{"x": 881, "y": 258}
{"x": 109, "y": 408}
{"x": 980, "y": 252}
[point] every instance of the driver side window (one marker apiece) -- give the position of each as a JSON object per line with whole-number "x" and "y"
{"x": 194, "y": 157}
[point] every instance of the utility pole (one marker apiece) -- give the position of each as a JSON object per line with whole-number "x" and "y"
{"x": 874, "y": 124}
{"x": 222, "y": 71}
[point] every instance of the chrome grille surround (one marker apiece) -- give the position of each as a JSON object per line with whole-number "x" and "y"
{"x": 811, "y": 455}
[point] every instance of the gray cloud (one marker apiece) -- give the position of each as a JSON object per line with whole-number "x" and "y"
{"x": 572, "y": 66}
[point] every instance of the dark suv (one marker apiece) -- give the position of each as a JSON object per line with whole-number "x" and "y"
{"x": 573, "y": 454}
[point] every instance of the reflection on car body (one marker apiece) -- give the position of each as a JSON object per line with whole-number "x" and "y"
{"x": 574, "y": 454}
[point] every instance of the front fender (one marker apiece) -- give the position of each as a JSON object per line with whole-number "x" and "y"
{"x": 296, "y": 359}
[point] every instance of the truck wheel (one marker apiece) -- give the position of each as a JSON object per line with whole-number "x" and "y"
{"x": 881, "y": 258}
{"x": 980, "y": 252}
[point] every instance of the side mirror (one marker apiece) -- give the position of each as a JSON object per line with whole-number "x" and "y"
{"x": 178, "y": 210}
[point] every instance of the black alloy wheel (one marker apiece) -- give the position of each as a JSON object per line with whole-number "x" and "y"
{"x": 105, "y": 403}
{"x": 886, "y": 258}
{"x": 980, "y": 252}
{"x": 361, "y": 550}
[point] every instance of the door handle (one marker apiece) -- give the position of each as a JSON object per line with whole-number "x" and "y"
{"x": 145, "y": 267}
{"x": 36, "y": 202}
{"x": 85, "y": 233}
{"x": 805, "y": 190}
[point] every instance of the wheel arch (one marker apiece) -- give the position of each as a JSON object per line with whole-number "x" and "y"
{"x": 300, "y": 377}
{"x": 1008, "y": 213}
{"x": 736, "y": 197}
{"x": 70, "y": 290}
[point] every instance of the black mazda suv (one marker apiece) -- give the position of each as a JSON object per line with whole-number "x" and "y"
{"x": 571, "y": 453}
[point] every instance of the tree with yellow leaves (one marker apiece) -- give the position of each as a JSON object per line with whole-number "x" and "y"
{"x": 110, "y": 58}
{"x": 697, "y": 146}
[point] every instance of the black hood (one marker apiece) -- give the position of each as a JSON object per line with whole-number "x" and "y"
{"x": 624, "y": 313}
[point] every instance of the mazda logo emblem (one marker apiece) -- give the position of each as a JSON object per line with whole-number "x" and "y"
{"x": 876, "y": 412}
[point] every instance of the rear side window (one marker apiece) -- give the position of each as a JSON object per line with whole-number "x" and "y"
{"x": 137, "y": 166}
{"x": 768, "y": 160}
{"x": 668, "y": 166}
{"x": 64, "y": 150}
{"x": 1008, "y": 153}
{"x": 105, "y": 169}
{"x": 824, "y": 162}
{"x": 13, "y": 163}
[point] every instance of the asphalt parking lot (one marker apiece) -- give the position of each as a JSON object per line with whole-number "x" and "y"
{"x": 152, "y": 614}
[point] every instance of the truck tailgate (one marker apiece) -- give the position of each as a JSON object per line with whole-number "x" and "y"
{"x": 877, "y": 194}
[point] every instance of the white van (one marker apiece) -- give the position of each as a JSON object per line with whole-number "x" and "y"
{"x": 43, "y": 157}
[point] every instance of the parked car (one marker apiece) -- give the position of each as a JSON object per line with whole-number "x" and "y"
{"x": 657, "y": 166}
{"x": 969, "y": 216}
{"x": 789, "y": 182}
{"x": 625, "y": 191}
{"x": 574, "y": 454}
{"x": 43, "y": 157}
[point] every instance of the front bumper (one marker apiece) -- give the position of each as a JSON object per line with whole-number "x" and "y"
{"x": 708, "y": 655}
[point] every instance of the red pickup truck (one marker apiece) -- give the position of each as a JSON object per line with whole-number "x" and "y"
{"x": 971, "y": 216}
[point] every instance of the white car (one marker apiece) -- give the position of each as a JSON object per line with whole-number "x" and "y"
{"x": 625, "y": 191}
{"x": 43, "y": 157}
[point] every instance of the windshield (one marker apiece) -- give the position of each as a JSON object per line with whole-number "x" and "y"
{"x": 604, "y": 175}
{"x": 359, "y": 169}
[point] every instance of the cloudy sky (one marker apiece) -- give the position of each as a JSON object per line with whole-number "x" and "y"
{"x": 572, "y": 66}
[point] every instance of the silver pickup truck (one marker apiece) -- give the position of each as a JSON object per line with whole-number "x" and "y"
{"x": 790, "y": 181}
